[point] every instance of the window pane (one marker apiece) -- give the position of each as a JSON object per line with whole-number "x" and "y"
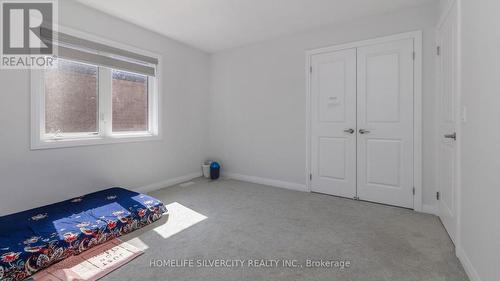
{"x": 71, "y": 98}
{"x": 130, "y": 102}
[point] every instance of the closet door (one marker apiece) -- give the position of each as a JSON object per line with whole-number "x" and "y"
{"x": 333, "y": 123}
{"x": 385, "y": 123}
{"x": 448, "y": 121}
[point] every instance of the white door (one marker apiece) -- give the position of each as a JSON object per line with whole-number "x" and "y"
{"x": 385, "y": 123}
{"x": 447, "y": 35}
{"x": 333, "y": 123}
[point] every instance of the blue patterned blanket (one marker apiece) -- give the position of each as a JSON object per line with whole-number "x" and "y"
{"x": 35, "y": 239}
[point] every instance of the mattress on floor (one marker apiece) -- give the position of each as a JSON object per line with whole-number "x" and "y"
{"x": 34, "y": 239}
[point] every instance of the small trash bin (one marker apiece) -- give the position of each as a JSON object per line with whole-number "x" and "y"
{"x": 206, "y": 170}
{"x": 214, "y": 170}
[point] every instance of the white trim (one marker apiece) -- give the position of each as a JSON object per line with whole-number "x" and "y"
{"x": 429, "y": 209}
{"x": 417, "y": 141}
{"x": 437, "y": 102}
{"x": 36, "y": 103}
{"x": 105, "y": 84}
{"x": 468, "y": 267}
{"x": 308, "y": 119}
{"x": 269, "y": 182}
{"x": 50, "y": 144}
{"x": 357, "y": 44}
{"x": 105, "y": 136}
{"x": 417, "y": 122}
{"x": 459, "y": 133}
{"x": 167, "y": 183}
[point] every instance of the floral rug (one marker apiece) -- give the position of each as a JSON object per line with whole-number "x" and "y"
{"x": 92, "y": 264}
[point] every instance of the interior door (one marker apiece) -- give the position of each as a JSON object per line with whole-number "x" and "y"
{"x": 333, "y": 123}
{"x": 447, "y": 164}
{"x": 385, "y": 123}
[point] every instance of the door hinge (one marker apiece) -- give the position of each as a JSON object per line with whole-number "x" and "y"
{"x": 438, "y": 195}
{"x": 310, "y": 177}
{"x": 414, "y": 55}
{"x": 413, "y": 191}
{"x": 310, "y": 69}
{"x": 438, "y": 50}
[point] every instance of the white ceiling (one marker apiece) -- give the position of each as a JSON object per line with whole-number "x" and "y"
{"x": 214, "y": 25}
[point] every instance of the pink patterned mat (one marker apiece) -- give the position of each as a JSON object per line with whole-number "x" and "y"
{"x": 92, "y": 264}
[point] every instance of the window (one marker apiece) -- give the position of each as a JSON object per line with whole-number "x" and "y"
{"x": 130, "y": 102}
{"x": 71, "y": 99}
{"x": 94, "y": 95}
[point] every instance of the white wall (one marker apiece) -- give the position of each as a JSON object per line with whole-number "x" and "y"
{"x": 443, "y": 5}
{"x": 257, "y": 109}
{"x": 33, "y": 178}
{"x": 480, "y": 223}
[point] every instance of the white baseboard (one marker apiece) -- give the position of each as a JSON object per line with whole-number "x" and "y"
{"x": 430, "y": 209}
{"x": 166, "y": 183}
{"x": 270, "y": 182}
{"x": 468, "y": 267}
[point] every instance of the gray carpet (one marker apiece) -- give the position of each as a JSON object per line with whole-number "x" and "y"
{"x": 248, "y": 221}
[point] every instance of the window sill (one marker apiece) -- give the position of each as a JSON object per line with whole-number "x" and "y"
{"x": 89, "y": 141}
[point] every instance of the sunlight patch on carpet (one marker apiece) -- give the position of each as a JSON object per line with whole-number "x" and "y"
{"x": 179, "y": 218}
{"x": 92, "y": 264}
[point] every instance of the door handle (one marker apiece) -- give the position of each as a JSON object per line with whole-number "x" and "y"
{"x": 349, "y": 131}
{"x": 363, "y": 131}
{"x": 451, "y": 136}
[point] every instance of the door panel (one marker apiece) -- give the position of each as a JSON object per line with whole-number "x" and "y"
{"x": 382, "y": 88}
{"x": 332, "y": 148}
{"x": 333, "y": 108}
{"x": 385, "y": 123}
{"x": 332, "y": 91}
{"x": 383, "y": 162}
{"x": 447, "y": 162}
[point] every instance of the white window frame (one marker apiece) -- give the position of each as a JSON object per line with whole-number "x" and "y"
{"x": 40, "y": 140}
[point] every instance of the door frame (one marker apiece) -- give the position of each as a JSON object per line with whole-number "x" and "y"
{"x": 417, "y": 103}
{"x": 453, "y": 6}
